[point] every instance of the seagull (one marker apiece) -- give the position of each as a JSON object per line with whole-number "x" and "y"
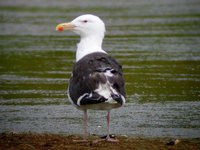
{"x": 97, "y": 80}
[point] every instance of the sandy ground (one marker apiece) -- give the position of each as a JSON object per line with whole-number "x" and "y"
{"x": 33, "y": 141}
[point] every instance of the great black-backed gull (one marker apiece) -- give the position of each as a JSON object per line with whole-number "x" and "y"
{"x": 97, "y": 80}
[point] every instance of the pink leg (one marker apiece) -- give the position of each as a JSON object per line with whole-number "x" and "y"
{"x": 108, "y": 123}
{"x": 85, "y": 121}
{"x": 85, "y": 124}
{"x": 108, "y": 132}
{"x": 108, "y": 129}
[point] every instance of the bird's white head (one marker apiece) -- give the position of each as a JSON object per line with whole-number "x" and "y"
{"x": 85, "y": 26}
{"x": 91, "y": 29}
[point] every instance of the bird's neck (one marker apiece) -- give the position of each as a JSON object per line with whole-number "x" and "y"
{"x": 88, "y": 45}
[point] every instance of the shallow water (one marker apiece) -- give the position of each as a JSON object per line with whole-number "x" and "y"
{"x": 148, "y": 119}
{"x": 158, "y": 44}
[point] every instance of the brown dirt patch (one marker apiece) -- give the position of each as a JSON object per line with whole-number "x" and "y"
{"x": 34, "y": 141}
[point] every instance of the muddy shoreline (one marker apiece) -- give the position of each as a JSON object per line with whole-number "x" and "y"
{"x": 33, "y": 141}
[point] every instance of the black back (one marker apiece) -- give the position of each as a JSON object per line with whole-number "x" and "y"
{"x": 88, "y": 73}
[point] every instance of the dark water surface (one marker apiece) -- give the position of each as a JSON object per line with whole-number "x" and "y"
{"x": 157, "y": 42}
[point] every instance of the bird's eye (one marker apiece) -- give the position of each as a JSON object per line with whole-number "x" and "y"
{"x": 85, "y": 21}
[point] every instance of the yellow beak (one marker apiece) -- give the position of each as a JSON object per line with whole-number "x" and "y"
{"x": 65, "y": 26}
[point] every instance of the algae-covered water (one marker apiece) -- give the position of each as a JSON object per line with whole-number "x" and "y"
{"x": 157, "y": 42}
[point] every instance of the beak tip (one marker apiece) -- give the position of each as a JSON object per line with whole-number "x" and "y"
{"x": 59, "y": 28}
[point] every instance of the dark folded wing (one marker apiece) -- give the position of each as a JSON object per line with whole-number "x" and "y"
{"x": 94, "y": 77}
